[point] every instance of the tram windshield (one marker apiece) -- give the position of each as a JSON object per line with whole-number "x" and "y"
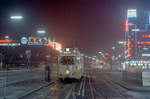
{"x": 67, "y": 60}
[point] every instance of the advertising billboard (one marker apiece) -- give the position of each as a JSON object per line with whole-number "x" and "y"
{"x": 38, "y": 41}
{"x": 131, "y": 13}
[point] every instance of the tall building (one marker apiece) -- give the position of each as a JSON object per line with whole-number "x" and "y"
{"x": 137, "y": 36}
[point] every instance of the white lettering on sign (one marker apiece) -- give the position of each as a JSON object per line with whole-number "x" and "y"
{"x": 145, "y": 54}
{"x": 131, "y": 13}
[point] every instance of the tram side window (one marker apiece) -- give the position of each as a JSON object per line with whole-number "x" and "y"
{"x": 67, "y": 60}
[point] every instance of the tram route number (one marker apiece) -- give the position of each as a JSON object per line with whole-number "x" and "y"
{"x": 70, "y": 68}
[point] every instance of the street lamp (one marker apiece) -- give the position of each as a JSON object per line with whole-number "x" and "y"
{"x": 6, "y": 37}
{"x": 99, "y": 52}
{"x": 122, "y": 42}
{"x": 113, "y": 48}
{"x": 41, "y": 31}
{"x": 16, "y": 17}
{"x": 86, "y": 56}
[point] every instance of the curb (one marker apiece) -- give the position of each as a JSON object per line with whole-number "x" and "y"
{"x": 14, "y": 82}
{"x": 120, "y": 84}
{"x": 124, "y": 86}
{"x": 32, "y": 91}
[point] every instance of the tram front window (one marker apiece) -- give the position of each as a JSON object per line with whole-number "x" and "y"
{"x": 67, "y": 60}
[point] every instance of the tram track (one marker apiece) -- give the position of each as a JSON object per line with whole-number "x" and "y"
{"x": 36, "y": 90}
{"x": 93, "y": 90}
{"x": 116, "y": 89}
{"x": 101, "y": 92}
{"x": 54, "y": 91}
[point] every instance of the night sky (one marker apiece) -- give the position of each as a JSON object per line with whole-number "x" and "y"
{"x": 91, "y": 25}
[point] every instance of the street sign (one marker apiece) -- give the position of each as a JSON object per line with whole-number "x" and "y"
{"x": 28, "y": 53}
{"x": 146, "y": 78}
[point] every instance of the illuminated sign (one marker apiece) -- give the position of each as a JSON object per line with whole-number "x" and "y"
{"x": 146, "y": 36}
{"x": 149, "y": 17}
{"x": 102, "y": 62}
{"x": 9, "y": 44}
{"x": 67, "y": 49}
{"x": 132, "y": 13}
{"x": 126, "y": 26}
{"x": 143, "y": 42}
{"x": 145, "y": 48}
{"x": 58, "y": 47}
{"x": 74, "y": 51}
{"x": 135, "y": 30}
{"x": 38, "y": 41}
{"x": 24, "y": 40}
{"x": 5, "y": 41}
{"x": 107, "y": 54}
{"x": 128, "y": 50}
{"x": 49, "y": 40}
{"x": 50, "y": 44}
{"x": 145, "y": 54}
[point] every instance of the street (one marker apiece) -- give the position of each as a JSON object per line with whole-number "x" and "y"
{"x": 96, "y": 84}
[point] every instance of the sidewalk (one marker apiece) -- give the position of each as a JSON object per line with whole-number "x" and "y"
{"x": 18, "y": 69}
{"x": 24, "y": 86}
{"x": 130, "y": 83}
{"x": 22, "y": 89}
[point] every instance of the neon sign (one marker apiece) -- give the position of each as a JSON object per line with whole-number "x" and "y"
{"x": 131, "y": 13}
{"x": 128, "y": 50}
{"x": 146, "y": 36}
{"x": 24, "y": 40}
{"x": 149, "y": 17}
{"x": 5, "y": 41}
{"x": 126, "y": 26}
{"x": 144, "y": 42}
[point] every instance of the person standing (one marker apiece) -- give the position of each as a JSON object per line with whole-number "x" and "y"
{"x": 47, "y": 72}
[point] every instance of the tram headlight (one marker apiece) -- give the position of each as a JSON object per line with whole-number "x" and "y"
{"x": 67, "y": 71}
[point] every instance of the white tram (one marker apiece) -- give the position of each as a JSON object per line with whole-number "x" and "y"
{"x": 70, "y": 64}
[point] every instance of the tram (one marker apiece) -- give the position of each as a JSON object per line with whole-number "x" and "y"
{"x": 70, "y": 64}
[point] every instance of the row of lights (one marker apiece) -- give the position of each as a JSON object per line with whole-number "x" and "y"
{"x": 139, "y": 63}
